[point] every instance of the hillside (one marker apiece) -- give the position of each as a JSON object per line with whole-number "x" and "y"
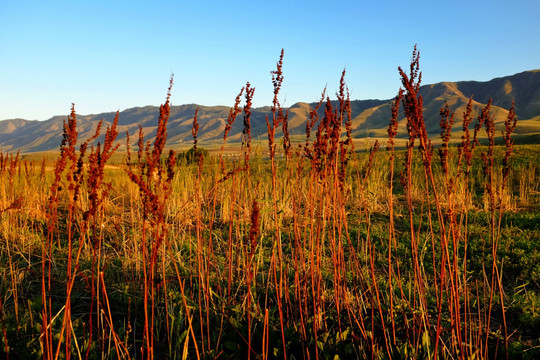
{"x": 370, "y": 117}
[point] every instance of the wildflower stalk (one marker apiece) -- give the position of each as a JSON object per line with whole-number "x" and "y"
{"x": 392, "y": 132}
{"x": 154, "y": 190}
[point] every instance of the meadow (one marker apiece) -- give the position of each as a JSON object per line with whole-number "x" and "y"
{"x": 296, "y": 248}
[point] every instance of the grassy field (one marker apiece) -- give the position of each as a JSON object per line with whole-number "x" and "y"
{"x": 292, "y": 249}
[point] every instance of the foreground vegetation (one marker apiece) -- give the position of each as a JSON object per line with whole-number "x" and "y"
{"x": 302, "y": 250}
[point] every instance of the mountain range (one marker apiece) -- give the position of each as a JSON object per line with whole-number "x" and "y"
{"x": 369, "y": 117}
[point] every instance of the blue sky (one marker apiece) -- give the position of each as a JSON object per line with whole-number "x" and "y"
{"x": 112, "y": 55}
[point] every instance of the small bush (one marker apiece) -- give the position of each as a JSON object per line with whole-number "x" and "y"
{"x": 190, "y": 157}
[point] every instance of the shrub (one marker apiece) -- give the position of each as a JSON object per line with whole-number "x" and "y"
{"x": 190, "y": 157}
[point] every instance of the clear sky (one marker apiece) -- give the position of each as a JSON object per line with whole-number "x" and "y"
{"x": 112, "y": 55}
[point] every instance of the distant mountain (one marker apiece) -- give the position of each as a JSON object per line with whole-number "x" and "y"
{"x": 370, "y": 117}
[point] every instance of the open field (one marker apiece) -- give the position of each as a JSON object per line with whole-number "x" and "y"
{"x": 303, "y": 249}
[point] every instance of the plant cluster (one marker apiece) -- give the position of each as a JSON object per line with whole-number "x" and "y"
{"x": 308, "y": 250}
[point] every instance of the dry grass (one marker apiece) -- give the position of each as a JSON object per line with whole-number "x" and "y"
{"x": 308, "y": 250}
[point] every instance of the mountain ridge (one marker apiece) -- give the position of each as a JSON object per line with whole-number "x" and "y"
{"x": 369, "y": 117}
